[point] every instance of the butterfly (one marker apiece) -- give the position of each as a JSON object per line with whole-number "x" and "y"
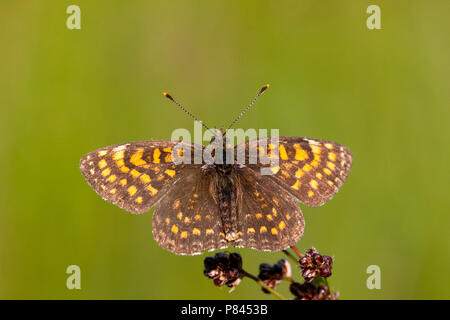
{"x": 207, "y": 206}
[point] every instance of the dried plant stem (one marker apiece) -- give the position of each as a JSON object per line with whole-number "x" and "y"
{"x": 297, "y": 252}
{"x": 262, "y": 284}
{"x": 291, "y": 256}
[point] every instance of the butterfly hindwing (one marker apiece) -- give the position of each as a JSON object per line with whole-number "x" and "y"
{"x": 187, "y": 220}
{"x": 135, "y": 175}
{"x": 269, "y": 218}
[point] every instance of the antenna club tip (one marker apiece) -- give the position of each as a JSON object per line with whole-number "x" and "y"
{"x": 168, "y": 96}
{"x": 264, "y": 88}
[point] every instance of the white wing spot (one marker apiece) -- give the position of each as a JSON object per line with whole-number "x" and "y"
{"x": 312, "y": 141}
{"x": 120, "y": 148}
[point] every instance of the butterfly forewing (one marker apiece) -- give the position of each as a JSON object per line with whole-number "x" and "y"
{"x": 269, "y": 218}
{"x": 187, "y": 221}
{"x": 135, "y": 175}
{"x": 312, "y": 170}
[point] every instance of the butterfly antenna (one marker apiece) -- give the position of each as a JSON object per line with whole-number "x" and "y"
{"x": 248, "y": 107}
{"x": 168, "y": 96}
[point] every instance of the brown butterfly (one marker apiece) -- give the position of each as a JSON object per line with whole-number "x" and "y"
{"x": 207, "y": 206}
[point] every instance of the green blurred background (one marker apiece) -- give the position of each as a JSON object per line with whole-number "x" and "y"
{"x": 63, "y": 93}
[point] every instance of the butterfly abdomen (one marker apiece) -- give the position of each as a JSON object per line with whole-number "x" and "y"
{"x": 226, "y": 195}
